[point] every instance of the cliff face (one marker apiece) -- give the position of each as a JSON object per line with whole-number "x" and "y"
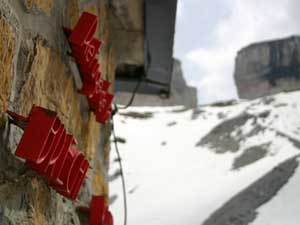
{"x": 181, "y": 93}
{"x": 268, "y": 68}
{"x": 35, "y": 69}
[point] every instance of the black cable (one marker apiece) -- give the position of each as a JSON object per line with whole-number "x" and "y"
{"x": 115, "y": 110}
{"x": 132, "y": 96}
{"x": 121, "y": 170}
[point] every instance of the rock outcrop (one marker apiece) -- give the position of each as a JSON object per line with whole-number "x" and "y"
{"x": 268, "y": 68}
{"x": 181, "y": 93}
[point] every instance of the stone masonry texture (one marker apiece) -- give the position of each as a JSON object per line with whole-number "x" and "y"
{"x": 35, "y": 69}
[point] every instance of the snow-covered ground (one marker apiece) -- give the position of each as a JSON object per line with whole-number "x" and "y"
{"x": 171, "y": 181}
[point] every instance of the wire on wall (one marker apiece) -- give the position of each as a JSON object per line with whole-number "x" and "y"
{"x": 132, "y": 96}
{"x": 121, "y": 169}
{"x": 115, "y": 110}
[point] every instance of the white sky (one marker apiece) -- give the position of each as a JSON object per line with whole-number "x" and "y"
{"x": 209, "y": 34}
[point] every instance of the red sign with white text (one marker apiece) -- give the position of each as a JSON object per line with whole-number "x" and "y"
{"x": 48, "y": 149}
{"x": 85, "y": 49}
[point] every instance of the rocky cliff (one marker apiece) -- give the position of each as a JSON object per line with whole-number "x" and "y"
{"x": 267, "y": 68}
{"x": 181, "y": 93}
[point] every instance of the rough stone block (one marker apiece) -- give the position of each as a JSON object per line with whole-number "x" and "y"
{"x": 7, "y": 54}
{"x": 43, "y": 5}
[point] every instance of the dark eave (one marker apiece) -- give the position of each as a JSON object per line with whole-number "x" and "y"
{"x": 160, "y": 18}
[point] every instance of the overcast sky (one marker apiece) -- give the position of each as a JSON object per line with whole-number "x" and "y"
{"x": 209, "y": 34}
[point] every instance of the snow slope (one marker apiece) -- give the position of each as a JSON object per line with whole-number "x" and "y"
{"x": 181, "y": 165}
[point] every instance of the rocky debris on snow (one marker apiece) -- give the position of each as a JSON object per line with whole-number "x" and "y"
{"x": 241, "y": 209}
{"x": 250, "y": 155}
{"x": 171, "y": 124}
{"x": 197, "y": 112}
{"x": 138, "y": 115}
{"x": 221, "y": 139}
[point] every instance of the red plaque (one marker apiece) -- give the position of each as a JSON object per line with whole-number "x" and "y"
{"x": 85, "y": 49}
{"x": 47, "y": 149}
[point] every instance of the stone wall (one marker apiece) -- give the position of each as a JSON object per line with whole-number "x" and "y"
{"x": 127, "y": 23}
{"x": 268, "y": 68}
{"x": 35, "y": 69}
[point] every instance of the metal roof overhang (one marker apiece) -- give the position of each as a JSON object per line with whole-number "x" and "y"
{"x": 160, "y": 18}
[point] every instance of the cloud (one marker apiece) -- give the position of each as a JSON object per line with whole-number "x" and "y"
{"x": 249, "y": 21}
{"x": 180, "y": 8}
